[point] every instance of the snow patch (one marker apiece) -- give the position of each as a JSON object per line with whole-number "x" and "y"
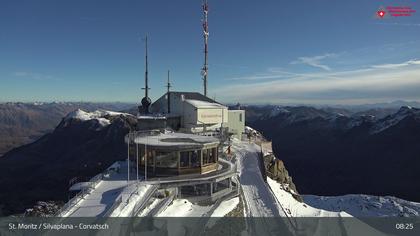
{"x": 184, "y": 208}
{"x": 102, "y": 116}
{"x": 361, "y": 205}
{"x": 294, "y": 208}
{"x": 225, "y": 207}
{"x": 278, "y": 110}
{"x": 249, "y": 130}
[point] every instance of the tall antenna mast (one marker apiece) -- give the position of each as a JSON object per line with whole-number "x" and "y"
{"x": 204, "y": 71}
{"x": 146, "y": 73}
{"x": 168, "y": 86}
{"x": 146, "y": 101}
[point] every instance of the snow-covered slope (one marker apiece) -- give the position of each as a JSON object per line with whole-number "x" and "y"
{"x": 361, "y": 205}
{"x": 184, "y": 208}
{"x": 294, "y": 208}
{"x": 225, "y": 207}
{"x": 394, "y": 119}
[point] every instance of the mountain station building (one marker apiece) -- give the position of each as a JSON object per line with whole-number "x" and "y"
{"x": 192, "y": 112}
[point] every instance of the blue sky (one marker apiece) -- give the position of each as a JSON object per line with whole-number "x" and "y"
{"x": 328, "y": 52}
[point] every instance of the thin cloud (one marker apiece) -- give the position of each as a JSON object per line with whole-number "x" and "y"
{"x": 274, "y": 74}
{"x": 33, "y": 76}
{"x": 271, "y": 74}
{"x": 345, "y": 87}
{"x": 314, "y": 61}
{"x": 398, "y": 65}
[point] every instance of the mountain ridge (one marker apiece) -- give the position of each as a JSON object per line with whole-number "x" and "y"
{"x": 343, "y": 154}
{"x": 23, "y": 123}
{"x": 76, "y": 148}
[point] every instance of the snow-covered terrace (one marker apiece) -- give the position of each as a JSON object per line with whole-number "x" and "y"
{"x": 113, "y": 189}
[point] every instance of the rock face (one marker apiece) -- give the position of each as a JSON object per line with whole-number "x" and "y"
{"x": 276, "y": 170}
{"x": 43, "y": 209}
{"x": 41, "y": 171}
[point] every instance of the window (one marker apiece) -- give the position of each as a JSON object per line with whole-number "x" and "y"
{"x": 190, "y": 158}
{"x": 205, "y": 156}
{"x": 212, "y": 155}
{"x": 184, "y": 159}
{"x": 195, "y": 158}
{"x": 166, "y": 159}
{"x": 240, "y": 117}
{"x": 209, "y": 155}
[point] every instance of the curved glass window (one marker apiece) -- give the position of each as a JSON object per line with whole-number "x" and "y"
{"x": 209, "y": 156}
{"x": 166, "y": 159}
{"x": 190, "y": 158}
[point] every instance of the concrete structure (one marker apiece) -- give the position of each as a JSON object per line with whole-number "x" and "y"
{"x": 168, "y": 154}
{"x": 236, "y": 123}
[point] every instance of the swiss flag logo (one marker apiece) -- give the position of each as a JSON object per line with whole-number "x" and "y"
{"x": 381, "y": 13}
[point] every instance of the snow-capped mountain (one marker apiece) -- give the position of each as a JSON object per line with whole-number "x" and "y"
{"x": 23, "y": 123}
{"x": 83, "y": 144}
{"x": 101, "y": 118}
{"x": 405, "y": 112}
{"x": 317, "y": 143}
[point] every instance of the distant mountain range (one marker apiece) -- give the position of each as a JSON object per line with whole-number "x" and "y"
{"x": 336, "y": 151}
{"x": 82, "y": 145}
{"x": 22, "y": 123}
{"x": 393, "y": 104}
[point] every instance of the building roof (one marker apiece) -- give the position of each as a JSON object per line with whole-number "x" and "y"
{"x": 194, "y": 96}
{"x": 203, "y": 104}
{"x": 175, "y": 141}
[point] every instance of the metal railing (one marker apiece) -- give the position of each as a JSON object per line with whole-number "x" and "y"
{"x": 141, "y": 204}
{"x": 80, "y": 195}
{"x": 118, "y": 201}
{"x": 138, "y": 206}
{"x": 162, "y": 206}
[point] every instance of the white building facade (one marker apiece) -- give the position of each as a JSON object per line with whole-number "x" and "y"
{"x": 236, "y": 123}
{"x": 198, "y": 113}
